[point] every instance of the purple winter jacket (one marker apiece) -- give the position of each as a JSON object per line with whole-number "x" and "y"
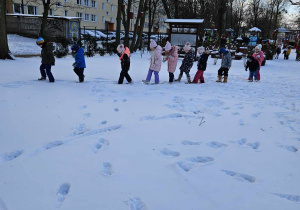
{"x": 155, "y": 64}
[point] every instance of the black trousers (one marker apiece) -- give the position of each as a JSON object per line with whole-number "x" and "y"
{"x": 223, "y": 71}
{"x": 171, "y": 77}
{"x": 124, "y": 73}
{"x": 79, "y": 72}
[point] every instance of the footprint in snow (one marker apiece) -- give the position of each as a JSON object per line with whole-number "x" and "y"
{"x": 12, "y": 155}
{"x": 254, "y": 145}
{"x": 291, "y": 148}
{"x": 81, "y": 129}
{"x": 2, "y": 205}
{"x": 62, "y": 193}
{"x": 242, "y": 141}
{"x": 103, "y": 122}
{"x": 115, "y": 100}
{"x": 245, "y": 177}
{"x": 83, "y": 107}
{"x": 124, "y": 100}
{"x": 256, "y": 114}
{"x": 169, "y": 153}
{"x": 186, "y": 166}
{"x": 106, "y": 169}
{"x": 200, "y": 159}
{"x": 136, "y": 204}
{"x": 241, "y": 122}
{"x": 295, "y": 198}
{"x": 101, "y": 142}
{"x": 235, "y": 113}
{"x": 87, "y": 115}
{"x": 190, "y": 143}
{"x": 116, "y": 109}
{"x": 50, "y": 145}
{"x": 215, "y": 144}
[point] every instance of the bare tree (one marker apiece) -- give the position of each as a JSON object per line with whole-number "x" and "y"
{"x": 4, "y": 50}
{"x": 295, "y": 2}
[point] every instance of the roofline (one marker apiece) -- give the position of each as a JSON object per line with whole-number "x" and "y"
{"x": 187, "y": 21}
{"x": 55, "y": 17}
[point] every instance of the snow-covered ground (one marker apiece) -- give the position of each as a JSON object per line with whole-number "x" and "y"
{"x": 100, "y": 145}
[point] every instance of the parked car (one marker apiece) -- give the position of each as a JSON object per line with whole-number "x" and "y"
{"x": 111, "y": 35}
{"x": 84, "y": 33}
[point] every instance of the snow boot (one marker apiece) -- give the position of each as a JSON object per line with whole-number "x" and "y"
{"x": 42, "y": 78}
{"x": 225, "y": 80}
{"x": 202, "y": 81}
{"x": 179, "y": 78}
{"x": 219, "y": 78}
{"x": 189, "y": 80}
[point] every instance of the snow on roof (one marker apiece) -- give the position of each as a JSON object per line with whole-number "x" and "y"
{"x": 282, "y": 30}
{"x": 255, "y": 29}
{"x": 184, "y": 20}
{"x": 62, "y": 17}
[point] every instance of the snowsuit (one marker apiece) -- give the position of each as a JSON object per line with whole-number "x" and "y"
{"x": 80, "y": 64}
{"x": 125, "y": 65}
{"x": 172, "y": 59}
{"x": 202, "y": 63}
{"x": 47, "y": 60}
{"x": 278, "y": 51}
{"x": 259, "y": 57}
{"x": 225, "y": 65}
{"x": 187, "y": 64}
{"x": 253, "y": 65}
{"x": 155, "y": 64}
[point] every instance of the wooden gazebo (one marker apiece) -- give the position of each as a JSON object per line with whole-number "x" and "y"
{"x": 184, "y": 30}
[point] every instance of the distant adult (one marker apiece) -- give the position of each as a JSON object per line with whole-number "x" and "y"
{"x": 79, "y": 64}
{"x": 259, "y": 56}
{"x": 48, "y": 59}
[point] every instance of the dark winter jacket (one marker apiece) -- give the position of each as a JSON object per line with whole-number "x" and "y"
{"x": 188, "y": 61}
{"x": 226, "y": 60}
{"x": 202, "y": 62}
{"x": 79, "y": 58}
{"x": 278, "y": 50}
{"x": 125, "y": 59}
{"x": 47, "y": 53}
{"x": 253, "y": 65}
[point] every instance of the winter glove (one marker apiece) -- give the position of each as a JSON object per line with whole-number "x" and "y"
{"x": 258, "y": 56}
{"x": 245, "y": 69}
{"x": 74, "y": 64}
{"x": 53, "y": 63}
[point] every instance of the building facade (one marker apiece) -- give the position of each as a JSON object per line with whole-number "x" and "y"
{"x": 93, "y": 13}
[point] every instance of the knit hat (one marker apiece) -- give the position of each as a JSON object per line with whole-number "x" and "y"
{"x": 200, "y": 50}
{"x": 187, "y": 47}
{"x": 222, "y": 50}
{"x": 75, "y": 47}
{"x": 40, "y": 41}
{"x": 168, "y": 46}
{"x": 120, "y": 48}
{"x": 258, "y": 47}
{"x": 152, "y": 43}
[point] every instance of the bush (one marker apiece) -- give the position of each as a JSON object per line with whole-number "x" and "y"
{"x": 91, "y": 45}
{"x": 62, "y": 48}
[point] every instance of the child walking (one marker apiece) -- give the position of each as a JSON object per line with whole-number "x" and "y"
{"x": 278, "y": 51}
{"x": 253, "y": 65}
{"x": 187, "y": 62}
{"x": 202, "y": 63}
{"x": 225, "y": 65}
{"x": 124, "y": 57}
{"x": 48, "y": 59}
{"x": 259, "y": 56}
{"x": 172, "y": 58}
{"x": 155, "y": 62}
{"x": 79, "y": 64}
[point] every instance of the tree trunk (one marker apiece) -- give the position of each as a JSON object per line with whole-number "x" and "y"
{"x": 4, "y": 50}
{"x": 46, "y": 4}
{"x": 142, "y": 22}
{"x": 126, "y": 41}
{"x": 118, "y": 29}
{"x": 166, "y": 7}
{"x": 133, "y": 43}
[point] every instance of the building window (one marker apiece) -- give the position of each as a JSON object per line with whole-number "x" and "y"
{"x": 111, "y": 20}
{"x": 112, "y": 8}
{"x": 32, "y": 10}
{"x": 107, "y": 13}
{"x": 66, "y": 1}
{"x": 51, "y": 12}
{"x": 108, "y": 1}
{"x": 93, "y": 18}
{"x": 87, "y": 3}
{"x": 66, "y": 13}
{"x": 94, "y": 4}
{"x": 17, "y": 8}
{"x": 103, "y": 6}
{"x": 103, "y": 19}
{"x": 79, "y": 2}
{"x": 87, "y": 17}
{"x": 79, "y": 14}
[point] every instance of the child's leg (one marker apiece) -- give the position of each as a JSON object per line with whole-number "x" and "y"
{"x": 49, "y": 73}
{"x": 251, "y": 73}
{"x": 42, "y": 70}
{"x": 171, "y": 77}
{"x": 156, "y": 77}
{"x": 197, "y": 76}
{"x": 255, "y": 75}
{"x": 80, "y": 74}
{"x": 258, "y": 75}
{"x": 127, "y": 76}
{"x": 149, "y": 75}
{"x": 201, "y": 76}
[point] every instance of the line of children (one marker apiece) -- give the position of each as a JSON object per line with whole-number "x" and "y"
{"x": 187, "y": 62}
{"x": 171, "y": 55}
{"x": 202, "y": 63}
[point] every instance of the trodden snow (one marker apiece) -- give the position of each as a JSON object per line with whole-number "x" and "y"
{"x": 100, "y": 145}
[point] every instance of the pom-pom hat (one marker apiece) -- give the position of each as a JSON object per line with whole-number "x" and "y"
{"x": 120, "y": 48}
{"x": 258, "y": 47}
{"x": 40, "y": 41}
{"x": 187, "y": 47}
{"x": 168, "y": 46}
{"x": 152, "y": 43}
{"x": 75, "y": 47}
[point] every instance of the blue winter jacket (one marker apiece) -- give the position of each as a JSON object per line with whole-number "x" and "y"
{"x": 79, "y": 58}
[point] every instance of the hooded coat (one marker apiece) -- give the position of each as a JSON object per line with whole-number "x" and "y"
{"x": 156, "y": 59}
{"x": 172, "y": 59}
{"x": 79, "y": 58}
{"x": 261, "y": 57}
{"x": 125, "y": 59}
{"x": 252, "y": 65}
{"x": 188, "y": 61}
{"x": 226, "y": 60}
{"x": 47, "y": 53}
{"x": 202, "y": 62}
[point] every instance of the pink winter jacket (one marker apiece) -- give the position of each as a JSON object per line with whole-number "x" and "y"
{"x": 155, "y": 64}
{"x": 261, "y": 57}
{"x": 172, "y": 59}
